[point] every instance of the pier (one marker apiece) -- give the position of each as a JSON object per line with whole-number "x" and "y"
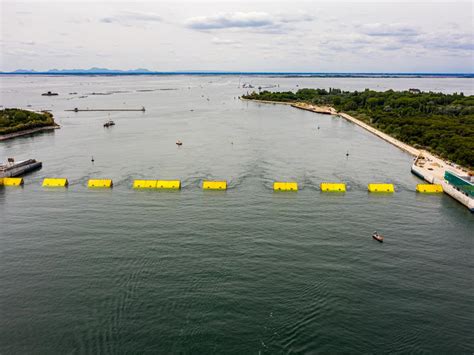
{"x": 106, "y": 109}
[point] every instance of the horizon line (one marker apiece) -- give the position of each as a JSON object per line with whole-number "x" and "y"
{"x": 105, "y": 71}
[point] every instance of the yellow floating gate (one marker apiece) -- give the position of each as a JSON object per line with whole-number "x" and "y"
{"x": 55, "y": 182}
{"x": 333, "y": 187}
{"x": 144, "y": 184}
{"x": 429, "y": 188}
{"x": 285, "y": 186}
{"x": 214, "y": 185}
{"x": 381, "y": 188}
{"x": 106, "y": 183}
{"x": 168, "y": 184}
{"x": 12, "y": 181}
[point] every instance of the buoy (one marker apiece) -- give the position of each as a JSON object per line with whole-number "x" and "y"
{"x": 92, "y": 159}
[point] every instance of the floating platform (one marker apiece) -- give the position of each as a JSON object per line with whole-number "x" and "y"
{"x": 168, "y": 184}
{"x": 144, "y": 184}
{"x": 429, "y": 188}
{"x": 157, "y": 184}
{"x": 285, "y": 186}
{"x": 214, "y": 185}
{"x": 381, "y": 188}
{"x": 100, "y": 183}
{"x": 55, "y": 182}
{"x": 11, "y": 181}
{"x": 105, "y": 109}
{"x": 333, "y": 187}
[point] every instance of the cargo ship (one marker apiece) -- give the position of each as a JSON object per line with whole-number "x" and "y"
{"x": 12, "y": 168}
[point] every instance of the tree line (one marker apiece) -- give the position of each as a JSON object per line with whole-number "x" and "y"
{"x": 15, "y": 120}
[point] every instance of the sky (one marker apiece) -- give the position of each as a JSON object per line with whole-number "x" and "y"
{"x": 290, "y": 36}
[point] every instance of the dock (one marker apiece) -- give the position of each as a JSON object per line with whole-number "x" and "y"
{"x": 434, "y": 170}
{"x": 13, "y": 169}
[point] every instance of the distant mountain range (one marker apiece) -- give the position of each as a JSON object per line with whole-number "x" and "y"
{"x": 141, "y": 71}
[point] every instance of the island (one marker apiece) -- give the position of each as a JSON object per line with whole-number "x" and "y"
{"x": 442, "y": 124}
{"x": 16, "y": 122}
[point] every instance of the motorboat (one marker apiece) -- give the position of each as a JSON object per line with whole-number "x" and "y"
{"x": 378, "y": 237}
{"x": 50, "y": 93}
{"x": 109, "y": 123}
{"x": 179, "y": 143}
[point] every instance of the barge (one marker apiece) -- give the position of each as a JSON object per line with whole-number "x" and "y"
{"x": 12, "y": 168}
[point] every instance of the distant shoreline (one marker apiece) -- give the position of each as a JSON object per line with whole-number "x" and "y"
{"x": 230, "y": 73}
{"x": 4, "y": 137}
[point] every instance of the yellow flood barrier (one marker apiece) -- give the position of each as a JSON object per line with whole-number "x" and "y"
{"x": 285, "y": 186}
{"x": 50, "y": 182}
{"x": 333, "y": 187}
{"x": 12, "y": 181}
{"x": 144, "y": 184}
{"x": 429, "y": 188}
{"x": 168, "y": 184}
{"x": 100, "y": 183}
{"x": 381, "y": 188}
{"x": 214, "y": 185}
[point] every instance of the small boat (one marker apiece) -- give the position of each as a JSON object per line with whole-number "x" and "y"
{"x": 109, "y": 123}
{"x": 179, "y": 143}
{"x": 49, "y": 93}
{"x": 377, "y": 237}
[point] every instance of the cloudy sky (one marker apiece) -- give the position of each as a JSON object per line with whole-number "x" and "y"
{"x": 317, "y": 36}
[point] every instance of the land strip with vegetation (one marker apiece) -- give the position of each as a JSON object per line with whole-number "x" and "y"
{"x": 14, "y": 120}
{"x": 440, "y": 123}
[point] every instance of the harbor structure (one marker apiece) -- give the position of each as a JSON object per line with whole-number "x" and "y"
{"x": 454, "y": 183}
{"x": 12, "y": 168}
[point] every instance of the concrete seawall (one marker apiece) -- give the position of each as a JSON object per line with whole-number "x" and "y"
{"x": 447, "y": 188}
{"x": 4, "y": 137}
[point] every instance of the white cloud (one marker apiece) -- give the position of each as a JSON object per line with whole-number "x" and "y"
{"x": 388, "y": 30}
{"x": 248, "y": 20}
{"x": 217, "y": 40}
{"x": 300, "y": 16}
{"x": 448, "y": 41}
{"x": 300, "y": 35}
{"x": 231, "y": 20}
{"x": 130, "y": 17}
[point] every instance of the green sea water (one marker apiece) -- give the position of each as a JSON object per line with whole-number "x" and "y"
{"x": 245, "y": 271}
